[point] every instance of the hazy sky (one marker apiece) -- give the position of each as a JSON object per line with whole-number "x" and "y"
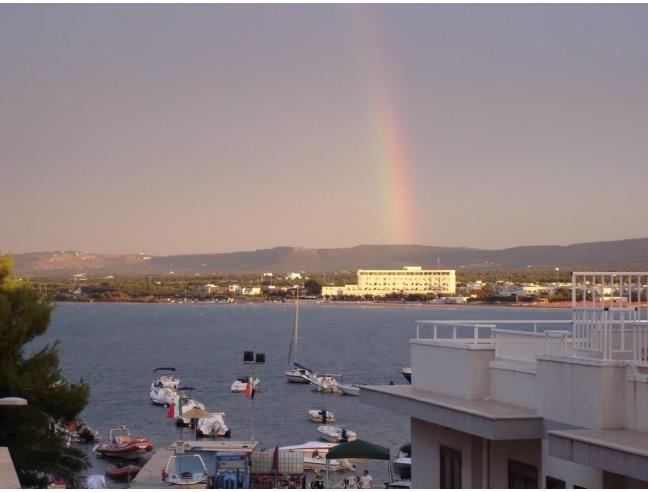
{"x": 211, "y": 128}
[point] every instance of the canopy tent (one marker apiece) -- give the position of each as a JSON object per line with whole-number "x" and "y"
{"x": 358, "y": 449}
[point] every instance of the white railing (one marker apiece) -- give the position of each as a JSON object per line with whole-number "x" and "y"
{"x": 525, "y": 346}
{"x": 466, "y": 331}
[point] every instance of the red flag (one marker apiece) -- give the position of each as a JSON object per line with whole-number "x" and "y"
{"x": 171, "y": 412}
{"x": 248, "y": 390}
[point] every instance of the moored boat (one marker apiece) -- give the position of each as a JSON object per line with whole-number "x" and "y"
{"x": 295, "y": 372}
{"x": 321, "y": 416}
{"x": 122, "y": 445}
{"x": 325, "y": 383}
{"x": 121, "y": 471}
{"x": 78, "y": 431}
{"x": 349, "y": 389}
{"x": 164, "y": 377}
{"x": 333, "y": 433}
{"x": 213, "y": 426}
{"x": 240, "y": 384}
{"x": 182, "y": 404}
{"x": 162, "y": 396}
{"x": 315, "y": 456}
{"x": 185, "y": 469}
{"x": 407, "y": 374}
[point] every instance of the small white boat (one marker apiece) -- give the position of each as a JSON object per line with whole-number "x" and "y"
{"x": 334, "y": 433}
{"x": 213, "y": 426}
{"x": 325, "y": 383}
{"x": 349, "y": 389}
{"x": 164, "y": 377}
{"x": 315, "y": 456}
{"x": 185, "y": 469}
{"x": 182, "y": 404}
{"x": 407, "y": 374}
{"x": 162, "y": 396}
{"x": 321, "y": 416}
{"x": 240, "y": 384}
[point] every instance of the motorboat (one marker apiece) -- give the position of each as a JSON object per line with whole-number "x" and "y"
{"x": 240, "y": 384}
{"x": 213, "y": 426}
{"x": 349, "y": 389}
{"x": 407, "y": 374}
{"x": 321, "y": 416}
{"x": 402, "y": 464}
{"x": 325, "y": 383}
{"x": 164, "y": 377}
{"x": 164, "y": 386}
{"x": 333, "y": 433}
{"x": 79, "y": 432}
{"x": 122, "y": 471}
{"x": 315, "y": 456}
{"x": 295, "y": 372}
{"x": 185, "y": 469}
{"x": 122, "y": 445}
{"x": 182, "y": 404}
{"x": 162, "y": 396}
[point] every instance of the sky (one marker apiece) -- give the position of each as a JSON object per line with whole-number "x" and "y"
{"x": 212, "y": 128}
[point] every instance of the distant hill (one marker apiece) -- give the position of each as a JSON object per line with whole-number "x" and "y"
{"x": 625, "y": 254}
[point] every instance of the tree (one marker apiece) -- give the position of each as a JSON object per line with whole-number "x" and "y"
{"x": 313, "y": 287}
{"x": 36, "y": 448}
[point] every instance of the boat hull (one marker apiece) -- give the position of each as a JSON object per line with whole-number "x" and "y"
{"x": 122, "y": 472}
{"x": 297, "y": 378}
{"x": 349, "y": 389}
{"x": 316, "y": 416}
{"x": 129, "y": 451}
{"x": 335, "y": 434}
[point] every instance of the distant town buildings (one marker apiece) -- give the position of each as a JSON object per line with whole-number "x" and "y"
{"x": 409, "y": 280}
{"x": 294, "y": 276}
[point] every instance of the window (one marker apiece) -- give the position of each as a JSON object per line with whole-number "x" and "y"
{"x": 450, "y": 468}
{"x": 522, "y": 476}
{"x": 555, "y": 483}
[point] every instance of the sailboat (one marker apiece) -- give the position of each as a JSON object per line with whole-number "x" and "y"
{"x": 295, "y": 372}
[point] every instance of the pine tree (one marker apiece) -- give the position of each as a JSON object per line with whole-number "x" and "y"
{"x": 36, "y": 448}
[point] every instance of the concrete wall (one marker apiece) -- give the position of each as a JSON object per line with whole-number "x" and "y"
{"x": 426, "y": 441}
{"x": 514, "y": 386}
{"x": 528, "y": 452}
{"x": 636, "y": 404}
{"x": 581, "y": 393}
{"x": 572, "y": 473}
{"x": 453, "y": 370}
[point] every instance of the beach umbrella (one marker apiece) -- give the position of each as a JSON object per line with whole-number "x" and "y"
{"x": 196, "y": 413}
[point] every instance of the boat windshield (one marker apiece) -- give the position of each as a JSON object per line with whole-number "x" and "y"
{"x": 186, "y": 465}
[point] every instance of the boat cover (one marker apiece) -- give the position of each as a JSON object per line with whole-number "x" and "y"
{"x": 358, "y": 449}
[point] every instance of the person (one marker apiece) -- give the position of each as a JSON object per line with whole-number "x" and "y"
{"x": 366, "y": 480}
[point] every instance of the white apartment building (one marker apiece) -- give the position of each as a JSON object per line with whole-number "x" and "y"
{"x": 409, "y": 280}
{"x": 532, "y": 403}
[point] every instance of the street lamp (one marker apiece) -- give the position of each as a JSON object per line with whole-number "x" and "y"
{"x": 13, "y": 401}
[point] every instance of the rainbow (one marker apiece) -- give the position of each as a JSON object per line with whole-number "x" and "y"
{"x": 390, "y": 144}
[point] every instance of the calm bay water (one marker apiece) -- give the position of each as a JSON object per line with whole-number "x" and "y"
{"x": 114, "y": 347}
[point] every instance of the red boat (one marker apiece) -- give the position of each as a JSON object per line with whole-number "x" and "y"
{"x": 122, "y": 472}
{"x": 122, "y": 445}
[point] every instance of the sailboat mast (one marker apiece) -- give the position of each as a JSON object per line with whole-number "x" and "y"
{"x": 296, "y": 327}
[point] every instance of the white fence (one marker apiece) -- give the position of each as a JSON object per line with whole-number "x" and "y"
{"x": 524, "y": 346}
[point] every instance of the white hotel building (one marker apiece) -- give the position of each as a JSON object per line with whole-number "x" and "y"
{"x": 409, "y": 280}
{"x": 533, "y": 403}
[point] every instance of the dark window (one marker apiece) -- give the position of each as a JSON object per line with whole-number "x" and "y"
{"x": 555, "y": 483}
{"x": 450, "y": 468}
{"x": 522, "y": 476}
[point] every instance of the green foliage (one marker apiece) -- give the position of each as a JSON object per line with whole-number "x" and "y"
{"x": 313, "y": 287}
{"x": 37, "y": 451}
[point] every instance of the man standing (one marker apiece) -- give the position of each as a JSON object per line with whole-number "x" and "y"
{"x": 366, "y": 480}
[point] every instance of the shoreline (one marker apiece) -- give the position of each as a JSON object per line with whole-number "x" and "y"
{"x": 366, "y": 304}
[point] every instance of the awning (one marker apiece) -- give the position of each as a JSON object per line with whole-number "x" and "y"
{"x": 358, "y": 449}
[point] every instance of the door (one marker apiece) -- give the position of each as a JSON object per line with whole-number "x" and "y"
{"x": 450, "y": 468}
